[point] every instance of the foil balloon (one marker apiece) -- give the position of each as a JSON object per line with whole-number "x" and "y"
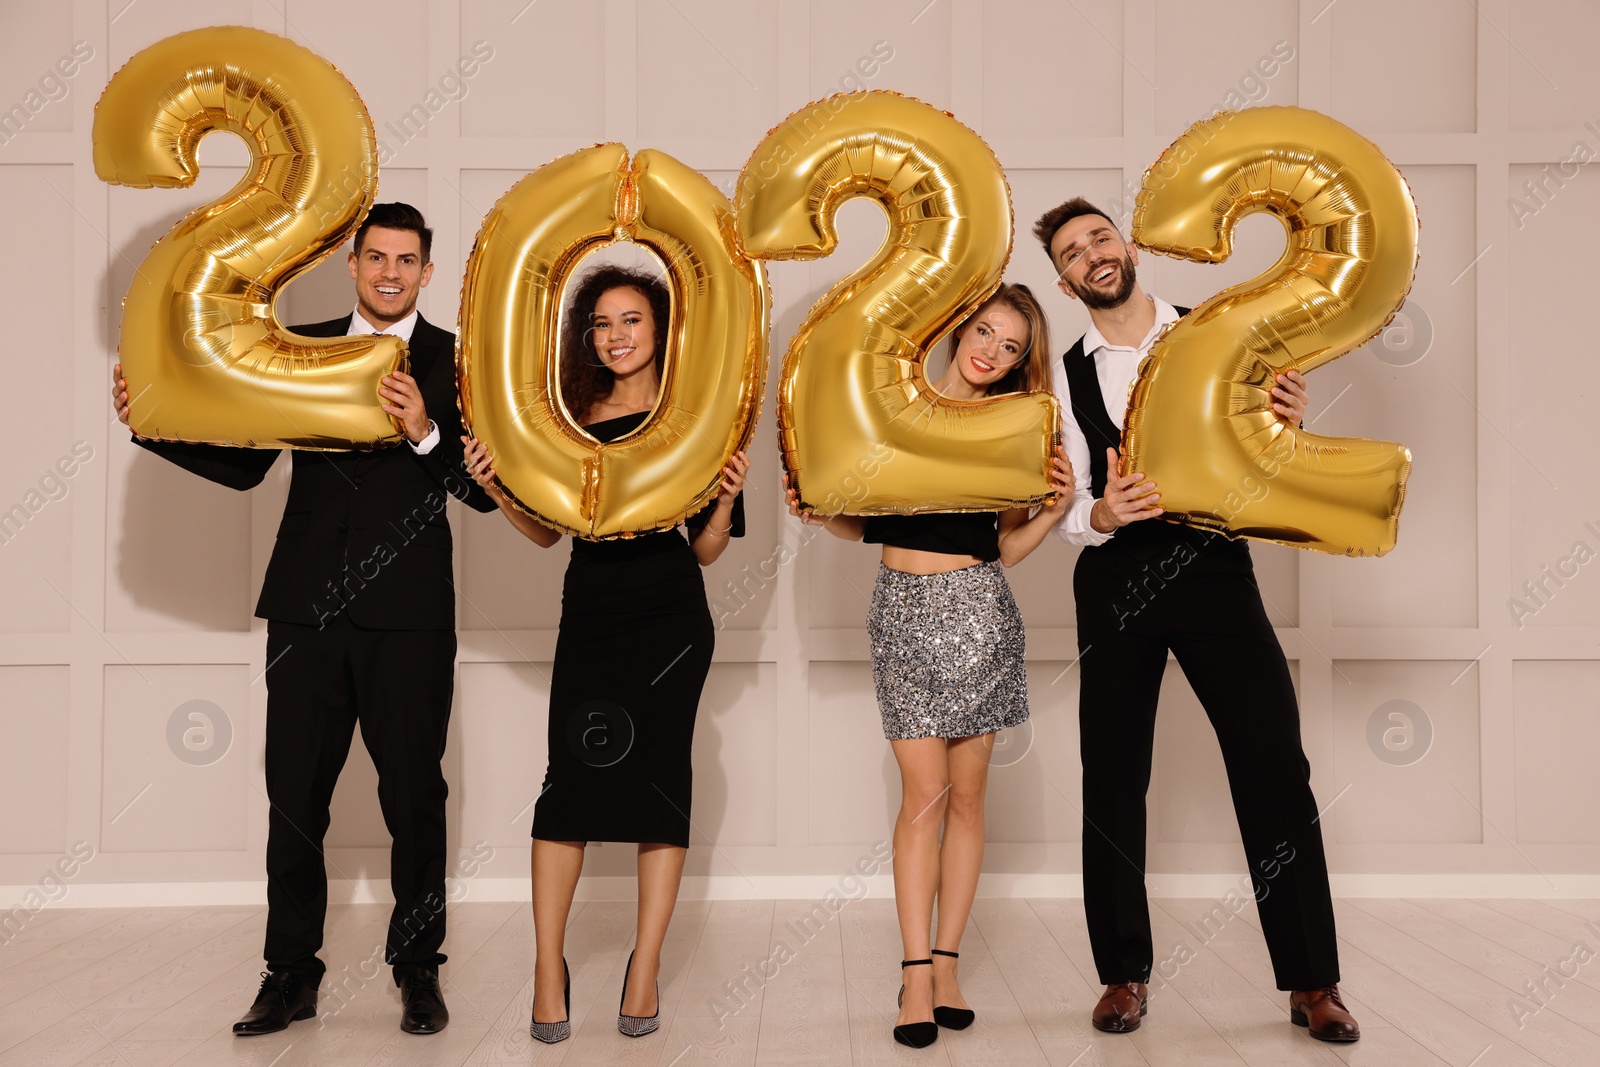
{"x": 205, "y": 357}
{"x": 853, "y": 381}
{"x": 1200, "y": 422}
{"x": 508, "y": 366}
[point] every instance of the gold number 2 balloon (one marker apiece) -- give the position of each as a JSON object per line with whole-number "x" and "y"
{"x": 201, "y": 347}
{"x": 715, "y": 362}
{"x": 1200, "y": 421}
{"x": 853, "y": 380}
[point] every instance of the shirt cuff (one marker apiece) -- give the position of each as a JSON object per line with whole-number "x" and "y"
{"x": 1075, "y": 527}
{"x": 424, "y": 446}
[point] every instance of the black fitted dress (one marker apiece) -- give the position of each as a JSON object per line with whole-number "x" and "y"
{"x": 632, "y": 656}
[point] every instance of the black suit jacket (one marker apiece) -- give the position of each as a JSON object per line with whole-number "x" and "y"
{"x": 362, "y": 532}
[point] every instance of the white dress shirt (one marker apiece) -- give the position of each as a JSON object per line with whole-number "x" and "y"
{"x": 403, "y": 330}
{"x": 1116, "y": 366}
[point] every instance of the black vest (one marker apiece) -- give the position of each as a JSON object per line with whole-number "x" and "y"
{"x": 1147, "y": 537}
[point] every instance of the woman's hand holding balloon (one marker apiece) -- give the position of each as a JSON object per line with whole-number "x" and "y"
{"x": 480, "y": 465}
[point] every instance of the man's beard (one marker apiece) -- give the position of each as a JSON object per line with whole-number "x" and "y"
{"x": 1099, "y": 299}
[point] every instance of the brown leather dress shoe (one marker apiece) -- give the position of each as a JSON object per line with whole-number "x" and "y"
{"x": 1323, "y": 1013}
{"x": 1121, "y": 1007}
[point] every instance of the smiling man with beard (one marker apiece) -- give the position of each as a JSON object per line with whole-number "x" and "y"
{"x": 1208, "y": 613}
{"x": 349, "y": 644}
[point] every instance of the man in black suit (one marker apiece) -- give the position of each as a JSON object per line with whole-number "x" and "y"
{"x": 1144, "y": 586}
{"x": 360, "y": 610}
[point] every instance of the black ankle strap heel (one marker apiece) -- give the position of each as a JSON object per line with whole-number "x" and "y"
{"x": 952, "y": 1018}
{"x": 915, "y": 1035}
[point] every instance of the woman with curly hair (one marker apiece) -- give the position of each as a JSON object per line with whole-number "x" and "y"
{"x": 632, "y": 656}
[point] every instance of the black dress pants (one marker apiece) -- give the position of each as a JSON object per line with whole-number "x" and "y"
{"x": 321, "y": 682}
{"x": 1196, "y": 595}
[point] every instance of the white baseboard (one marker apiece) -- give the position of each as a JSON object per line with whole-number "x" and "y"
{"x": 812, "y": 887}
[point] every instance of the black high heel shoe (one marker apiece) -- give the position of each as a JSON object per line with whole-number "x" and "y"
{"x": 635, "y": 1025}
{"x": 952, "y": 1018}
{"x": 550, "y": 1033}
{"x": 915, "y": 1035}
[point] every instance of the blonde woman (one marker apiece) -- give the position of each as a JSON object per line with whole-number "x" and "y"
{"x": 947, "y": 664}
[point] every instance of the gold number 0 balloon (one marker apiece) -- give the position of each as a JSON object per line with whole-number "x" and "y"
{"x": 1200, "y": 420}
{"x": 201, "y": 347}
{"x": 852, "y": 379}
{"x": 715, "y": 362}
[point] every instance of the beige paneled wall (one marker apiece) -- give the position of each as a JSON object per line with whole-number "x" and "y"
{"x": 1448, "y": 691}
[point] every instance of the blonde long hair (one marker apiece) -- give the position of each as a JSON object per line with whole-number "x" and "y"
{"x": 1032, "y": 373}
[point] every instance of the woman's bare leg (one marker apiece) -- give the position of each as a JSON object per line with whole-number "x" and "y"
{"x": 556, "y": 866}
{"x": 960, "y": 857}
{"x": 924, "y": 784}
{"x": 660, "y": 871}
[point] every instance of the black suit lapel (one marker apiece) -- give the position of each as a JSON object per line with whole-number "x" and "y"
{"x": 424, "y": 349}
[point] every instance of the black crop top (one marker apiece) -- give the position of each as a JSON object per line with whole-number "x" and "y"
{"x": 649, "y": 543}
{"x": 953, "y": 533}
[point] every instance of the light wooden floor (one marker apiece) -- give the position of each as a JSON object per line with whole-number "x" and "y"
{"x": 1430, "y": 982}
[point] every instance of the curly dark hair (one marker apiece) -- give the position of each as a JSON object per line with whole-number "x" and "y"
{"x": 585, "y": 380}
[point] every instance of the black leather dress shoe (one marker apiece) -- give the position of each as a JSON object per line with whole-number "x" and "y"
{"x": 424, "y": 1011}
{"x": 283, "y": 998}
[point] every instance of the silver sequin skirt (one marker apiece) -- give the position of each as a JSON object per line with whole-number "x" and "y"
{"x": 947, "y": 653}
